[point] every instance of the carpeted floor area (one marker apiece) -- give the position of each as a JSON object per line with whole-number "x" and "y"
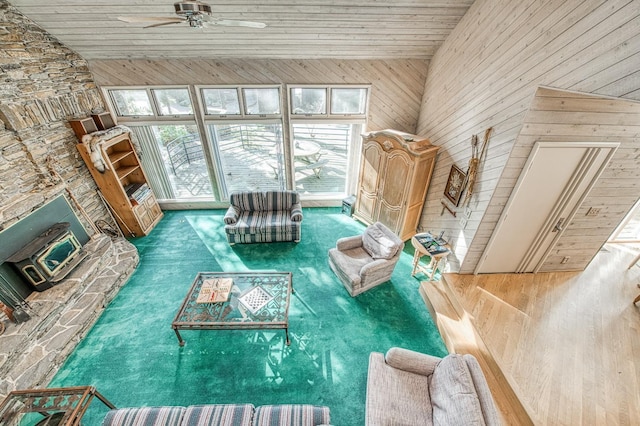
{"x": 132, "y": 355}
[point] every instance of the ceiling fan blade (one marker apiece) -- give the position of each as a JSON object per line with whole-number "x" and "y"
{"x": 233, "y": 23}
{"x": 160, "y": 24}
{"x": 145, "y": 19}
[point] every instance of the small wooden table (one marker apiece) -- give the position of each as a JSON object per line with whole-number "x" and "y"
{"x": 421, "y": 250}
{"x": 258, "y": 300}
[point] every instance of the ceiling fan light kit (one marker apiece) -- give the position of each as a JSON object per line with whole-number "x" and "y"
{"x": 196, "y": 13}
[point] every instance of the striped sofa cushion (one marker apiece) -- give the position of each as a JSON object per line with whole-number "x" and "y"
{"x": 218, "y": 414}
{"x": 250, "y": 201}
{"x": 144, "y": 416}
{"x": 291, "y": 415}
{"x": 280, "y": 200}
{"x": 247, "y": 223}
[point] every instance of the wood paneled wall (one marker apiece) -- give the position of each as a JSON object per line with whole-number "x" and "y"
{"x": 396, "y": 85}
{"x": 486, "y": 75}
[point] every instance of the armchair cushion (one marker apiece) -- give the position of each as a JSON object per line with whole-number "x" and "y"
{"x": 380, "y": 242}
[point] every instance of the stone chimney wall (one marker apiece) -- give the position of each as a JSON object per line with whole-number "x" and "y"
{"x": 44, "y": 84}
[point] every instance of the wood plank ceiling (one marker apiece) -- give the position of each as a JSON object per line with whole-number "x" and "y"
{"x": 296, "y": 29}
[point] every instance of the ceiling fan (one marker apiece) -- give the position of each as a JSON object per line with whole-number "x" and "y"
{"x": 196, "y": 13}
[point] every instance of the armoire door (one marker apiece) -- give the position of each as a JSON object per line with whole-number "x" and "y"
{"x": 551, "y": 187}
{"x": 372, "y": 164}
{"x": 395, "y": 182}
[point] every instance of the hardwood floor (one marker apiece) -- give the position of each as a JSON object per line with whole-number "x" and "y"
{"x": 558, "y": 348}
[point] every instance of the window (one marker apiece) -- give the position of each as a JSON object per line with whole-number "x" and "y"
{"x": 352, "y": 101}
{"x": 244, "y": 125}
{"x": 242, "y": 145}
{"x": 326, "y": 137}
{"x": 221, "y": 101}
{"x": 308, "y": 101}
{"x": 130, "y": 103}
{"x": 145, "y": 103}
{"x": 173, "y": 101}
{"x": 262, "y": 101}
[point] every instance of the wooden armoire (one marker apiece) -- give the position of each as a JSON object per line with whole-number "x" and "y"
{"x": 395, "y": 171}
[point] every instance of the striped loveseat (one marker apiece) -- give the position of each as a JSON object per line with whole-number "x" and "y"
{"x": 220, "y": 415}
{"x": 261, "y": 217}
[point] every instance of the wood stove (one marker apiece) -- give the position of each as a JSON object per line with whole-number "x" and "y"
{"x": 50, "y": 257}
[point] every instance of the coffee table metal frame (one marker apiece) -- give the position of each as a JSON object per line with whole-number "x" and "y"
{"x": 234, "y": 314}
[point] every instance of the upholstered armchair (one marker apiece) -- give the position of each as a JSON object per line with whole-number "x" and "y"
{"x": 365, "y": 261}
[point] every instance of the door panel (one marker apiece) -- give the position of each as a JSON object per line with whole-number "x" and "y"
{"x": 372, "y": 163}
{"x": 394, "y": 188}
{"x": 551, "y": 187}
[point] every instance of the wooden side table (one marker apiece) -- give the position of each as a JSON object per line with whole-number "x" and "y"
{"x": 421, "y": 251}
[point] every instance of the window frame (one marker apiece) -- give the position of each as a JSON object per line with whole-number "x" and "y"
{"x": 155, "y": 107}
{"x": 241, "y": 102}
{"x": 328, "y": 115}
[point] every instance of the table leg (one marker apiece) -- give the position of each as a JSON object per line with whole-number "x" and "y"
{"x": 416, "y": 259}
{"x": 286, "y": 333}
{"x": 434, "y": 267}
{"x": 180, "y": 341}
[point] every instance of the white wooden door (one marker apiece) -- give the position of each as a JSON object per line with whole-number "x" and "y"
{"x": 551, "y": 187}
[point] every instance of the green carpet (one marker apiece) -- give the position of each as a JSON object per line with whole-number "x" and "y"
{"x": 132, "y": 355}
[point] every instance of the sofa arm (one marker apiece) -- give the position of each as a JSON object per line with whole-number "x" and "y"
{"x": 348, "y": 243}
{"x": 413, "y": 362}
{"x": 231, "y": 217}
{"x": 296, "y": 212}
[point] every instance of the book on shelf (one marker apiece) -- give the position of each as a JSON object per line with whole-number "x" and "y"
{"x": 137, "y": 191}
{"x": 215, "y": 290}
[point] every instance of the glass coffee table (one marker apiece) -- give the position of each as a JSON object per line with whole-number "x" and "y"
{"x": 257, "y": 300}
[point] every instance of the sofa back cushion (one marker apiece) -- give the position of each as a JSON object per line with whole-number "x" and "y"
{"x": 218, "y": 415}
{"x": 291, "y": 415}
{"x": 453, "y": 394}
{"x": 144, "y": 416}
{"x": 280, "y": 200}
{"x": 380, "y": 242}
{"x": 247, "y": 200}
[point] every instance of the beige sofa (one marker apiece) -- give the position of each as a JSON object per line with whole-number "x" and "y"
{"x": 410, "y": 388}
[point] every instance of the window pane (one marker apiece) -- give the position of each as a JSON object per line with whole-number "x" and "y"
{"x": 348, "y": 101}
{"x": 262, "y": 101}
{"x": 173, "y": 101}
{"x": 250, "y": 156}
{"x": 174, "y": 161}
{"x": 320, "y": 154}
{"x": 131, "y": 102}
{"x": 308, "y": 101}
{"x": 221, "y": 101}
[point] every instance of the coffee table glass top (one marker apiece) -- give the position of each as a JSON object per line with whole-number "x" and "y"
{"x": 256, "y": 300}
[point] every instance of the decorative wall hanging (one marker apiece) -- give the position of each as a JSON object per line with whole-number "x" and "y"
{"x": 474, "y": 163}
{"x": 455, "y": 185}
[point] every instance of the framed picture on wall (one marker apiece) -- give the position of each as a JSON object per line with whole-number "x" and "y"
{"x": 455, "y": 185}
